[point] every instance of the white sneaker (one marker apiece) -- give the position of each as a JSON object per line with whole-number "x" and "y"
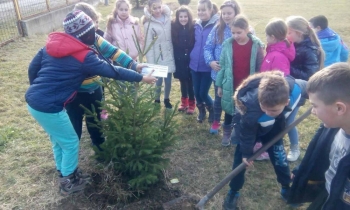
{"x": 294, "y": 153}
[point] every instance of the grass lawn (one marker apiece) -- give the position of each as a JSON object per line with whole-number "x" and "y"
{"x": 27, "y": 174}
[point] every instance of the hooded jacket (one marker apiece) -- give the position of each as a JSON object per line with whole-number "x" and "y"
{"x": 224, "y": 78}
{"x": 161, "y": 52}
{"x": 197, "y": 61}
{"x": 278, "y": 57}
{"x": 121, "y": 35}
{"x": 306, "y": 61}
{"x": 313, "y": 167}
{"x": 333, "y": 46}
{"x": 58, "y": 69}
{"x": 254, "y": 122}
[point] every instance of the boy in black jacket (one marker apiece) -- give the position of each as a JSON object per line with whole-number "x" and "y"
{"x": 323, "y": 176}
{"x": 265, "y": 101}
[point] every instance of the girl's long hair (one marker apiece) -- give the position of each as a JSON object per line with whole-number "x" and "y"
{"x": 113, "y": 17}
{"x": 277, "y": 28}
{"x": 301, "y": 25}
{"x": 221, "y": 24}
{"x": 176, "y": 25}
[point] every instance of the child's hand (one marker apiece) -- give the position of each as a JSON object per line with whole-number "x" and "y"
{"x": 139, "y": 67}
{"x": 220, "y": 92}
{"x": 215, "y": 65}
{"x": 149, "y": 79}
{"x": 248, "y": 164}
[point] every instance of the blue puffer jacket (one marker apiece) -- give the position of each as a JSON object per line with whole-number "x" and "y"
{"x": 58, "y": 70}
{"x": 333, "y": 46}
{"x": 306, "y": 61}
{"x": 197, "y": 62}
{"x": 212, "y": 48}
{"x": 254, "y": 122}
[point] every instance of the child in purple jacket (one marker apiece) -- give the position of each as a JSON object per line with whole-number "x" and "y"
{"x": 200, "y": 71}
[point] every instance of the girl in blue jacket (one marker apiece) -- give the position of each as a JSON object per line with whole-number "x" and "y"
{"x": 55, "y": 75}
{"x": 207, "y": 13}
{"x": 212, "y": 51}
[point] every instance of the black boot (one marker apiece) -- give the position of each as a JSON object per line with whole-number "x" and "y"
{"x": 202, "y": 113}
{"x": 211, "y": 114}
{"x": 167, "y": 104}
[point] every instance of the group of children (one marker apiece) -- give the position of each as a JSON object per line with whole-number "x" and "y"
{"x": 220, "y": 48}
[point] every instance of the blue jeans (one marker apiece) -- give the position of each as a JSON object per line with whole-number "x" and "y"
{"x": 293, "y": 134}
{"x": 64, "y": 139}
{"x": 201, "y": 85}
{"x": 217, "y": 105}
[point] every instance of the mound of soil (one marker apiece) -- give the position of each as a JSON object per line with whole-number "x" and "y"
{"x": 158, "y": 197}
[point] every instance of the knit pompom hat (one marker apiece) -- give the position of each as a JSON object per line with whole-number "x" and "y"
{"x": 77, "y": 23}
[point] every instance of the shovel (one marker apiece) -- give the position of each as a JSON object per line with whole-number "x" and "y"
{"x": 242, "y": 166}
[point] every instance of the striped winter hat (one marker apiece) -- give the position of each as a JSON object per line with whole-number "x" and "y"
{"x": 77, "y": 23}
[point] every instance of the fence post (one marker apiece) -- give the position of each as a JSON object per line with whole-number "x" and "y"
{"x": 48, "y": 5}
{"x": 19, "y": 17}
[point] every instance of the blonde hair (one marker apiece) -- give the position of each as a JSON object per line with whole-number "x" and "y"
{"x": 89, "y": 10}
{"x": 221, "y": 23}
{"x": 112, "y": 18}
{"x": 301, "y": 25}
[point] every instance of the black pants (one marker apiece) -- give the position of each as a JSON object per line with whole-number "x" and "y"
{"x": 228, "y": 119}
{"x": 76, "y": 114}
{"x": 319, "y": 201}
{"x": 277, "y": 155}
{"x": 186, "y": 87}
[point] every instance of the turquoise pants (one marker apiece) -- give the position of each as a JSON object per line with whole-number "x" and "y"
{"x": 64, "y": 139}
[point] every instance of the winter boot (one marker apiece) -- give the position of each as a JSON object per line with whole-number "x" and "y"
{"x": 167, "y": 104}
{"x": 231, "y": 200}
{"x": 293, "y": 153}
{"x": 183, "y": 105}
{"x": 211, "y": 114}
{"x": 71, "y": 184}
{"x": 214, "y": 129}
{"x": 191, "y": 106}
{"x": 202, "y": 113}
{"x": 226, "y": 138}
{"x": 79, "y": 173}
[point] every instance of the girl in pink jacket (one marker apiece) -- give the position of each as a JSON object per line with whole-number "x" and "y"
{"x": 119, "y": 30}
{"x": 279, "y": 52}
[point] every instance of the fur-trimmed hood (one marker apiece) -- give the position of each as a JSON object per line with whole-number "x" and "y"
{"x": 247, "y": 89}
{"x": 148, "y": 16}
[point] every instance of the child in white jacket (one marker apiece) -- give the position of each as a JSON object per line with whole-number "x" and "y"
{"x": 158, "y": 19}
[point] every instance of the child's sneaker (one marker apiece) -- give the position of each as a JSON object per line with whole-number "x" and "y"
{"x": 71, "y": 184}
{"x": 214, "y": 129}
{"x": 104, "y": 115}
{"x": 294, "y": 153}
{"x": 231, "y": 201}
{"x": 264, "y": 155}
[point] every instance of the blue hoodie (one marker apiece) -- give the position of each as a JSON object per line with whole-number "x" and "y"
{"x": 333, "y": 46}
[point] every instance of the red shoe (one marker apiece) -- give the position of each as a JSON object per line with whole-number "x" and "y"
{"x": 191, "y": 107}
{"x": 184, "y": 104}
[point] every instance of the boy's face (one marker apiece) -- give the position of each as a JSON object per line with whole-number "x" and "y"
{"x": 326, "y": 113}
{"x": 274, "y": 111}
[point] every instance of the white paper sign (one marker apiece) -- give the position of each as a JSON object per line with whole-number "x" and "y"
{"x": 159, "y": 71}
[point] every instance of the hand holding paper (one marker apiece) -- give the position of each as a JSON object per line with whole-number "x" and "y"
{"x": 159, "y": 71}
